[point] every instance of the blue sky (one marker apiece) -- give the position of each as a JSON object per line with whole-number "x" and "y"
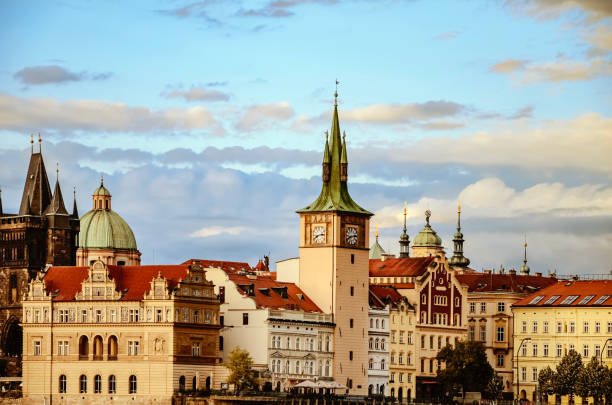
{"x": 208, "y": 119}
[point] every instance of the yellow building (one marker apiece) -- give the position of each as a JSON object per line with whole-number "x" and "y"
{"x": 547, "y": 324}
{"x": 490, "y": 298}
{"x": 333, "y": 263}
{"x": 130, "y": 334}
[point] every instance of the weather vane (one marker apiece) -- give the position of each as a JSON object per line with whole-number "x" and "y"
{"x": 427, "y": 215}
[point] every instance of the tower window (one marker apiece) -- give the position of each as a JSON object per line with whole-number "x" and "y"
{"x": 245, "y": 318}
{"x": 352, "y": 258}
{"x": 351, "y": 355}
{"x": 352, "y": 291}
{"x": 351, "y": 323}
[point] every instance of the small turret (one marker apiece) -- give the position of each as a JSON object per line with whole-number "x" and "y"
{"x": 75, "y": 211}
{"x": 404, "y": 240}
{"x": 458, "y": 260}
{"x": 376, "y": 251}
{"x": 524, "y": 268}
{"x": 326, "y": 160}
{"x": 343, "y": 160}
{"x": 56, "y": 206}
{"x": 101, "y": 197}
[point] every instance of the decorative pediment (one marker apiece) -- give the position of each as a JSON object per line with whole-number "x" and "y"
{"x": 98, "y": 285}
{"x": 37, "y": 290}
{"x": 278, "y": 355}
{"x": 309, "y": 356}
{"x": 159, "y": 288}
{"x": 195, "y": 283}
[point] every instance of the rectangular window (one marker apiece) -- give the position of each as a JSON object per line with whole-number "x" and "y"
{"x": 535, "y": 327}
{"x": 585, "y": 351}
{"x": 422, "y": 341}
{"x": 483, "y": 307}
{"x": 245, "y": 318}
{"x": 545, "y": 326}
{"x": 483, "y": 333}
{"x": 500, "y": 334}
{"x": 401, "y": 377}
{"x": 609, "y": 327}
{"x": 158, "y": 315}
{"x": 571, "y": 347}
{"x": 559, "y": 327}
{"x": 545, "y": 350}
{"x": 524, "y": 350}
{"x": 523, "y": 373}
{"x": 37, "y": 316}
{"x": 534, "y": 374}
{"x": 597, "y": 351}
{"x": 37, "y": 346}
{"x": 609, "y": 354}
{"x": 524, "y": 327}
{"x": 133, "y": 315}
{"x": 195, "y": 349}
{"x": 536, "y": 300}
{"x": 572, "y": 327}
{"x": 220, "y": 342}
{"x": 63, "y": 315}
{"x": 351, "y": 355}
{"x": 552, "y": 300}
{"x": 585, "y": 327}
{"x": 133, "y": 347}
{"x": 472, "y": 332}
{"x": 352, "y": 291}
{"x": 422, "y": 365}
{"x": 559, "y": 350}
{"x": 63, "y": 348}
{"x": 409, "y": 338}
{"x": 98, "y": 315}
{"x": 534, "y": 351}
{"x": 401, "y": 337}
{"x": 393, "y": 337}
{"x": 586, "y": 300}
{"x": 351, "y": 323}
{"x": 597, "y": 327}
{"x": 472, "y": 307}
{"x": 392, "y": 378}
{"x": 500, "y": 360}
{"x": 352, "y": 258}
{"x": 196, "y": 316}
{"x": 569, "y": 300}
{"x": 501, "y": 307}
{"x": 84, "y": 316}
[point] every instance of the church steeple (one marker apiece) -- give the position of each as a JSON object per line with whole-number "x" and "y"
{"x": 404, "y": 240}
{"x": 458, "y": 260}
{"x": 334, "y": 192}
{"x": 36, "y": 194}
{"x": 524, "y": 268}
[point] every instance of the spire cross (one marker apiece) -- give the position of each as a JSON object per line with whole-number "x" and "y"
{"x": 32, "y": 141}
{"x": 525, "y": 245}
{"x": 56, "y": 171}
{"x": 459, "y": 215}
{"x": 101, "y": 179}
{"x": 405, "y": 216}
{"x": 39, "y": 143}
{"x": 336, "y": 93}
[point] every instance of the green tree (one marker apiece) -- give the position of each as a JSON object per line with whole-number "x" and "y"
{"x": 593, "y": 381}
{"x": 242, "y": 374}
{"x": 567, "y": 374}
{"x": 495, "y": 386}
{"x": 546, "y": 380}
{"x": 465, "y": 365}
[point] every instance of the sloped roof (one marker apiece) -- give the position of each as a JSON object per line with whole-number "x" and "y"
{"x": 268, "y": 293}
{"x": 376, "y": 251}
{"x": 36, "y": 190}
{"x": 584, "y": 294}
{"x": 399, "y": 266}
{"x": 385, "y": 293}
{"x": 224, "y": 265}
{"x": 135, "y": 279}
{"x": 482, "y": 282}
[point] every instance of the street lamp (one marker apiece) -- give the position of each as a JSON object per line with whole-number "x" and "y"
{"x": 527, "y": 339}
{"x": 602, "y": 350}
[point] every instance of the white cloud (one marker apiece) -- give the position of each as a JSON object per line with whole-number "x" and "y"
{"x": 21, "y": 114}
{"x": 207, "y": 232}
{"x": 546, "y": 9}
{"x": 399, "y": 113}
{"x": 492, "y": 198}
{"x": 262, "y": 116}
{"x": 560, "y": 70}
{"x": 197, "y": 94}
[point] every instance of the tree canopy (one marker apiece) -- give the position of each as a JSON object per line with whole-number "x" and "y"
{"x": 594, "y": 381}
{"x": 567, "y": 373}
{"x": 465, "y": 365}
{"x": 242, "y": 374}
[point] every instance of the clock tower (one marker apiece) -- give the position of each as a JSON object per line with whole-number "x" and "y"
{"x": 334, "y": 262}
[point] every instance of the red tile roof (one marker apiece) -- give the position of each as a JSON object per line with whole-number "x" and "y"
{"x": 135, "y": 279}
{"x": 385, "y": 292}
{"x": 481, "y": 282}
{"x": 222, "y": 264}
{"x": 269, "y": 293}
{"x": 398, "y": 267}
{"x": 581, "y": 290}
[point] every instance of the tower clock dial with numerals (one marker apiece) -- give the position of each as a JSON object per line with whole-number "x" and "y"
{"x": 318, "y": 234}
{"x": 351, "y": 235}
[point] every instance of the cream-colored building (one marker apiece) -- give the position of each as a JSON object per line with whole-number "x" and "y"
{"x": 286, "y": 334}
{"x": 126, "y": 334}
{"x": 489, "y": 315}
{"x": 568, "y": 315}
{"x": 333, "y": 262}
{"x": 378, "y": 340}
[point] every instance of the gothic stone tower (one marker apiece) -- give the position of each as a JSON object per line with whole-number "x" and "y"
{"x": 334, "y": 264}
{"x": 42, "y": 233}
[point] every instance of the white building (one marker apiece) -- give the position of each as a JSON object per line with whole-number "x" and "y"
{"x": 287, "y": 335}
{"x": 378, "y": 345}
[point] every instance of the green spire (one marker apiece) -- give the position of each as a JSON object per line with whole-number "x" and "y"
{"x": 458, "y": 260}
{"x": 376, "y": 251}
{"x": 524, "y": 268}
{"x": 343, "y": 158}
{"x": 404, "y": 241}
{"x": 334, "y": 193}
{"x": 326, "y": 151}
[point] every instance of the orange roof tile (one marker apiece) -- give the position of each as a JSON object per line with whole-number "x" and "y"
{"x": 266, "y": 292}
{"x": 571, "y": 293}
{"x": 399, "y": 266}
{"x": 481, "y": 282}
{"x": 385, "y": 292}
{"x": 222, "y": 264}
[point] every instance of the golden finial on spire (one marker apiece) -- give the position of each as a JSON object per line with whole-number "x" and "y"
{"x": 343, "y": 135}
{"x": 459, "y": 206}
{"x": 376, "y": 231}
{"x": 101, "y": 179}
{"x": 32, "y": 141}
{"x": 405, "y": 204}
{"x": 39, "y": 143}
{"x": 336, "y": 93}
{"x": 525, "y": 240}
{"x": 326, "y": 135}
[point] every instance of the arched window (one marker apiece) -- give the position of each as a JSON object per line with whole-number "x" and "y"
{"x": 297, "y": 367}
{"x": 371, "y": 345}
{"x": 408, "y": 359}
{"x": 297, "y": 343}
{"x": 83, "y": 384}
{"x": 83, "y": 347}
{"x": 401, "y": 358}
{"x": 288, "y": 343}
{"x": 371, "y": 364}
{"x": 377, "y": 324}
{"x": 112, "y": 384}
{"x": 382, "y": 364}
{"x": 371, "y": 323}
{"x": 382, "y": 324}
{"x": 327, "y": 344}
{"x": 287, "y": 367}
{"x": 97, "y": 384}
{"x": 194, "y": 383}
{"x": 382, "y": 344}
{"x": 62, "y": 384}
{"x": 112, "y": 348}
{"x": 97, "y": 348}
{"x": 376, "y": 344}
{"x": 134, "y": 384}
{"x": 311, "y": 345}
{"x": 182, "y": 383}
{"x": 326, "y": 368}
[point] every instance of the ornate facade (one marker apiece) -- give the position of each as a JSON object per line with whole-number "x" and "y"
{"x": 122, "y": 333}
{"x": 41, "y": 233}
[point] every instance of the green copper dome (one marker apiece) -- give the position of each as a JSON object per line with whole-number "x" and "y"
{"x": 105, "y": 229}
{"x": 376, "y": 251}
{"x": 101, "y": 191}
{"x": 427, "y": 237}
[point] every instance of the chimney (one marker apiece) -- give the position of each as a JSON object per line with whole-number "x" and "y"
{"x": 512, "y": 272}
{"x": 487, "y": 271}
{"x": 538, "y": 274}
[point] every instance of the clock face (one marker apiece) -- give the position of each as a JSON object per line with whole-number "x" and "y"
{"x": 351, "y": 235}
{"x": 318, "y": 234}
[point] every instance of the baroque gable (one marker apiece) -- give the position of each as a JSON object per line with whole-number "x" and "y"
{"x": 98, "y": 285}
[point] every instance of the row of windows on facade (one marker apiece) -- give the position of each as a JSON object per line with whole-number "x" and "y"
{"x": 372, "y": 365}
{"x": 97, "y": 389}
{"x": 401, "y": 337}
{"x": 440, "y": 300}
{"x": 501, "y": 307}
{"x": 295, "y": 367}
{"x": 11, "y": 254}
{"x": 500, "y": 333}
{"x": 132, "y": 316}
{"x": 324, "y": 345}
{"x": 379, "y": 324}
{"x": 400, "y": 358}
{"x": 133, "y": 348}
{"x": 559, "y": 350}
{"x": 440, "y": 318}
{"x": 432, "y": 340}
{"x": 378, "y": 344}
{"x": 563, "y": 328}
{"x": 400, "y": 377}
